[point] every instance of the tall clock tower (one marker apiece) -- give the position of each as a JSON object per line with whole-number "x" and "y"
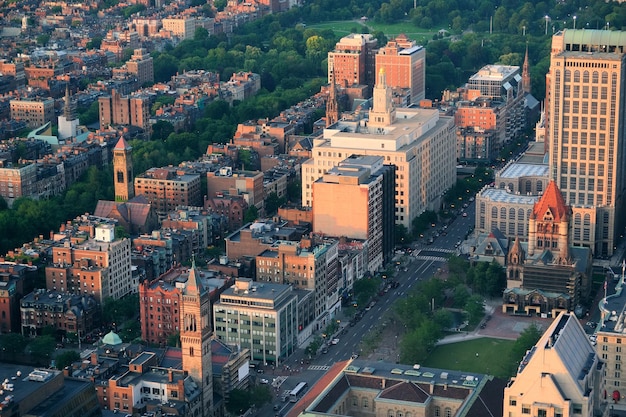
{"x": 123, "y": 171}
{"x": 195, "y": 338}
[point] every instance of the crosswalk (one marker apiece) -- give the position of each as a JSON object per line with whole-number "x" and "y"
{"x": 432, "y": 254}
{"x": 431, "y": 258}
{"x": 318, "y": 368}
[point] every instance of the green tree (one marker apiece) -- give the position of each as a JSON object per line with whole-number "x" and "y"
{"x": 461, "y": 296}
{"x": 475, "y": 308}
{"x": 272, "y": 203}
{"x": 66, "y": 358}
{"x": 527, "y": 339}
{"x": 443, "y": 318}
{"x": 161, "y": 130}
{"x": 43, "y": 39}
{"x": 252, "y": 213}
{"x": 41, "y": 349}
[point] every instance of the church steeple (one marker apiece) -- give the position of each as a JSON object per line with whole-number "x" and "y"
{"x": 526, "y": 73}
{"x": 195, "y": 338}
{"x": 332, "y": 105}
{"x": 69, "y": 110}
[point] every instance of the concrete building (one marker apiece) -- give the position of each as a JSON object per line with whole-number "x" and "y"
{"x": 17, "y": 181}
{"x": 352, "y": 62}
{"x": 501, "y": 84}
{"x": 560, "y": 376}
{"x": 309, "y": 264}
{"x": 353, "y": 200}
{"x": 183, "y": 27}
{"x": 35, "y": 112}
{"x": 261, "y": 317}
{"x": 248, "y": 184}
{"x": 610, "y": 336}
{"x": 508, "y": 204}
{"x": 405, "y": 65}
{"x": 92, "y": 263}
{"x": 125, "y": 110}
{"x": 168, "y": 188}
{"x": 141, "y": 66}
{"x": 419, "y": 142}
{"x": 37, "y": 392}
{"x": 546, "y": 275}
{"x": 354, "y": 388}
{"x": 585, "y": 130}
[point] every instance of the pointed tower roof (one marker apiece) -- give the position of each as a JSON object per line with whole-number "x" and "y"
{"x": 193, "y": 285}
{"x": 122, "y": 145}
{"x": 69, "y": 110}
{"x": 526, "y": 72}
{"x": 552, "y": 201}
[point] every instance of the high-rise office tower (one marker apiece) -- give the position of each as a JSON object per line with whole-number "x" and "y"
{"x": 585, "y": 132}
{"x": 352, "y": 62}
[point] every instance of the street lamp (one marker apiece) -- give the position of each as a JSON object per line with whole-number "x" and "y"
{"x": 547, "y": 18}
{"x": 574, "y": 22}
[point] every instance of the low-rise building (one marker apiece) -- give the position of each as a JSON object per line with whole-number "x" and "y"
{"x": 168, "y": 188}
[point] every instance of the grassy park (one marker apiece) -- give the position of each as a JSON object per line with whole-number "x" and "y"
{"x": 493, "y": 356}
{"x": 345, "y": 27}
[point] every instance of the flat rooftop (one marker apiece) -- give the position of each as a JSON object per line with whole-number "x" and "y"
{"x": 517, "y": 170}
{"x": 500, "y": 195}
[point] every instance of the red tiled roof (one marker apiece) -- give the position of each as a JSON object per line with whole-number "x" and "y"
{"x": 317, "y": 389}
{"x": 122, "y": 144}
{"x": 552, "y": 200}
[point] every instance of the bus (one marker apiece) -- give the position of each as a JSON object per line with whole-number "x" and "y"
{"x": 295, "y": 393}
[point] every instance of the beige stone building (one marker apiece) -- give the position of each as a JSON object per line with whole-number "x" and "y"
{"x": 362, "y": 388}
{"x": 585, "y": 131}
{"x": 183, "y": 27}
{"x": 561, "y": 376}
{"x": 419, "y": 142}
{"x": 36, "y": 113}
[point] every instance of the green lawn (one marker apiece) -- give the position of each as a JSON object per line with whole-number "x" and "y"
{"x": 492, "y": 359}
{"x": 345, "y": 27}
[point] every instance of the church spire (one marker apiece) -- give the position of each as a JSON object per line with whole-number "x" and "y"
{"x": 332, "y": 105}
{"x": 526, "y": 73}
{"x": 69, "y": 110}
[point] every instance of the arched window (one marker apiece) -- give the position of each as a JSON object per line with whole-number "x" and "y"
{"x": 585, "y": 76}
{"x": 577, "y": 219}
{"x": 587, "y": 220}
{"x": 594, "y": 77}
{"x": 576, "y": 76}
{"x": 501, "y": 185}
{"x": 494, "y": 212}
{"x": 539, "y": 187}
{"x": 503, "y": 213}
{"x": 355, "y": 401}
{"x": 510, "y": 185}
{"x": 437, "y": 411}
{"x": 568, "y": 78}
{"x": 447, "y": 412}
{"x": 512, "y": 214}
{"x": 364, "y": 402}
{"x": 605, "y": 77}
{"x": 528, "y": 187}
{"x": 520, "y": 215}
{"x": 390, "y": 413}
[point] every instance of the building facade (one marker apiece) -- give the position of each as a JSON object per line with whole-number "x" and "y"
{"x": 585, "y": 130}
{"x": 419, "y": 142}
{"x": 352, "y": 62}
{"x": 261, "y": 317}
{"x": 36, "y": 113}
{"x": 168, "y": 188}
{"x": 405, "y": 65}
{"x": 97, "y": 265}
{"x": 560, "y": 375}
{"x": 349, "y": 202}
